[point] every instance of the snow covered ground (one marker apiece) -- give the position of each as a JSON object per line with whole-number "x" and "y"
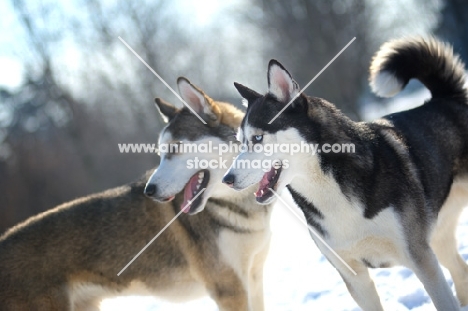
{"x": 297, "y": 277}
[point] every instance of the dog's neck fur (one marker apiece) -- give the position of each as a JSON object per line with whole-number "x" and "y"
{"x": 232, "y": 117}
{"x": 335, "y": 127}
{"x": 245, "y": 199}
{"x": 327, "y": 173}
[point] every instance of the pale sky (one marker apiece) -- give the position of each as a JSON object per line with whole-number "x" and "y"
{"x": 11, "y": 69}
{"x": 11, "y": 34}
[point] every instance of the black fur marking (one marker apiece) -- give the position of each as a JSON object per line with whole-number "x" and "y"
{"x": 367, "y": 263}
{"x": 166, "y": 108}
{"x": 247, "y": 93}
{"x": 426, "y": 130}
{"x": 264, "y": 109}
{"x": 230, "y": 206}
{"x": 373, "y": 174}
{"x": 311, "y": 213}
{"x": 219, "y": 223}
{"x": 384, "y": 265}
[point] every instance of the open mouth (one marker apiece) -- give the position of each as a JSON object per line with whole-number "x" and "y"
{"x": 196, "y": 183}
{"x": 269, "y": 180}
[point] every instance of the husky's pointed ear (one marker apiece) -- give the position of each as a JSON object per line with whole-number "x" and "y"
{"x": 280, "y": 82}
{"x": 167, "y": 110}
{"x": 203, "y": 105}
{"x": 247, "y": 93}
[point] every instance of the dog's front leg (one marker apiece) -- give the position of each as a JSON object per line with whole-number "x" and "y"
{"x": 229, "y": 293}
{"x": 256, "y": 295}
{"x": 360, "y": 286}
{"x": 426, "y": 267}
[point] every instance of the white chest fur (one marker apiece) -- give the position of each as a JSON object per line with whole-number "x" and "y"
{"x": 378, "y": 240}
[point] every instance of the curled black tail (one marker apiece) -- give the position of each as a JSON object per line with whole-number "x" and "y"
{"x": 430, "y": 61}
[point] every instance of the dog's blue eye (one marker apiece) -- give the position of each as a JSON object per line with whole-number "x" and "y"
{"x": 257, "y": 138}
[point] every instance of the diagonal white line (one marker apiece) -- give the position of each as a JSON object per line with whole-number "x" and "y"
{"x": 162, "y": 80}
{"x": 312, "y": 230}
{"x": 313, "y": 79}
{"x": 160, "y": 232}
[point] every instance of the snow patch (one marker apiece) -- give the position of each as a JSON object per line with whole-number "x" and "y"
{"x": 415, "y": 299}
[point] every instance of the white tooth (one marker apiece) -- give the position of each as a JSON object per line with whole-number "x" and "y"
{"x": 276, "y": 172}
{"x": 201, "y": 175}
{"x": 200, "y": 180}
{"x": 261, "y": 192}
{"x": 198, "y": 187}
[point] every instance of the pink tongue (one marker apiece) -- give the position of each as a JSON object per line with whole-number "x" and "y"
{"x": 267, "y": 177}
{"x": 188, "y": 192}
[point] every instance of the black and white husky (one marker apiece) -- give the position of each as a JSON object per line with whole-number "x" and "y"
{"x": 396, "y": 200}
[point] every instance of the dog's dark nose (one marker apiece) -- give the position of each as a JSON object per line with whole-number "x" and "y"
{"x": 229, "y": 180}
{"x": 150, "y": 190}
